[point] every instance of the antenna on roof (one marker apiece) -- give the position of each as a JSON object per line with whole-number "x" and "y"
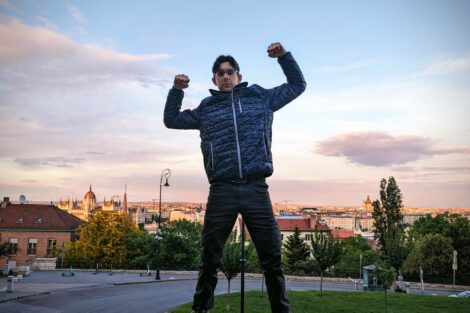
{"x": 23, "y": 199}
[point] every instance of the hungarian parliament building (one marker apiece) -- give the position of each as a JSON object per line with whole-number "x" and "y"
{"x": 89, "y": 204}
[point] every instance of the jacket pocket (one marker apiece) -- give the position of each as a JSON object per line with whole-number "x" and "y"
{"x": 265, "y": 144}
{"x": 208, "y": 154}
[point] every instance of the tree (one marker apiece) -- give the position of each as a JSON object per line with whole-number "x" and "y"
{"x": 253, "y": 264}
{"x": 102, "y": 239}
{"x": 454, "y": 226}
{"x": 428, "y": 225}
{"x": 459, "y": 232}
{"x": 296, "y": 250}
{"x": 433, "y": 252}
{"x": 388, "y": 222}
{"x": 180, "y": 246}
{"x": 230, "y": 262}
{"x": 326, "y": 253}
{"x": 140, "y": 248}
{"x": 386, "y": 276}
{"x": 351, "y": 250}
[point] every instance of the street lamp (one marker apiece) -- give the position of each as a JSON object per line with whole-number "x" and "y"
{"x": 165, "y": 173}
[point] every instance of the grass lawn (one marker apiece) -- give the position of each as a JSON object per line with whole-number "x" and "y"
{"x": 335, "y": 302}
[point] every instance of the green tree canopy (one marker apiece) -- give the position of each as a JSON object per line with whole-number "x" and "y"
{"x": 181, "y": 245}
{"x": 388, "y": 222}
{"x": 454, "y": 226}
{"x": 230, "y": 261}
{"x": 434, "y": 252}
{"x": 253, "y": 264}
{"x": 386, "y": 276}
{"x": 326, "y": 253}
{"x": 351, "y": 250}
{"x": 141, "y": 249}
{"x": 102, "y": 239}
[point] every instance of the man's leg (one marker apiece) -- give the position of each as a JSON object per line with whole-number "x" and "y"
{"x": 257, "y": 212}
{"x": 221, "y": 213}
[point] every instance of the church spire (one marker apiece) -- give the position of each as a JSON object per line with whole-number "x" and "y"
{"x": 124, "y": 202}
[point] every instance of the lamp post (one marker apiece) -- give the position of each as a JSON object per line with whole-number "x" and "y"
{"x": 165, "y": 173}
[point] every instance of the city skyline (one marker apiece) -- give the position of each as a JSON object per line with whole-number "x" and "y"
{"x": 83, "y": 86}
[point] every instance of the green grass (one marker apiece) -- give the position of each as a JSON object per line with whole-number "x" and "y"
{"x": 336, "y": 302}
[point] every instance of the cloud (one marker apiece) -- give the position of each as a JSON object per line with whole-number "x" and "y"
{"x": 35, "y": 58}
{"x": 47, "y": 23}
{"x": 376, "y": 148}
{"x": 49, "y": 161}
{"x": 448, "y": 66}
{"x": 431, "y": 172}
{"x": 7, "y": 4}
{"x": 77, "y": 15}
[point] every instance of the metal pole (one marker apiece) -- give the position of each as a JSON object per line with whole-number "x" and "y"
{"x": 242, "y": 261}
{"x": 157, "y": 272}
{"x": 421, "y": 279}
{"x": 360, "y": 266}
{"x": 454, "y": 267}
{"x": 165, "y": 173}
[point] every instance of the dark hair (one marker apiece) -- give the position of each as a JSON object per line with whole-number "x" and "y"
{"x": 224, "y": 58}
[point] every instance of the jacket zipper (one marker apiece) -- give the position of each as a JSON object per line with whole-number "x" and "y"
{"x": 236, "y": 137}
{"x": 240, "y": 105}
{"x": 264, "y": 144}
{"x": 212, "y": 156}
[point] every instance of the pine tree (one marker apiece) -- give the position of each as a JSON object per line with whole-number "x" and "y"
{"x": 388, "y": 222}
{"x": 296, "y": 250}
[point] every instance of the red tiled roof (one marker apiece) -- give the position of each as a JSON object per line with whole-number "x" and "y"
{"x": 289, "y": 224}
{"x": 37, "y": 217}
{"x": 341, "y": 233}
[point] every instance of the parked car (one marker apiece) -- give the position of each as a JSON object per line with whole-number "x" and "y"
{"x": 463, "y": 294}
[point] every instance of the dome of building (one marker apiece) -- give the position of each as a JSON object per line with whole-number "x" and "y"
{"x": 90, "y": 196}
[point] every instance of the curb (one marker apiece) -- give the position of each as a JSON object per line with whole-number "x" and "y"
{"x": 25, "y": 296}
{"x": 152, "y": 281}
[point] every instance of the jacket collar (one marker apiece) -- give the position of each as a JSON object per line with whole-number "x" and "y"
{"x": 218, "y": 92}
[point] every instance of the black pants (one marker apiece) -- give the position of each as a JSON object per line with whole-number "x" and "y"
{"x": 225, "y": 201}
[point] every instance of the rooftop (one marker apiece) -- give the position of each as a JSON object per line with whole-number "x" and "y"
{"x": 37, "y": 217}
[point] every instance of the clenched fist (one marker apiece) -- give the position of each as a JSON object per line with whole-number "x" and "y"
{"x": 276, "y": 50}
{"x": 181, "y": 81}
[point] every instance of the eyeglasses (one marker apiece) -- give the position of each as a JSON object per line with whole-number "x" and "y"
{"x": 229, "y": 72}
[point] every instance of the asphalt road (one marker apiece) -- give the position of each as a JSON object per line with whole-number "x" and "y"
{"x": 98, "y": 293}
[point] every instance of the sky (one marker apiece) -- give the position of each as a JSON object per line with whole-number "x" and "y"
{"x": 83, "y": 86}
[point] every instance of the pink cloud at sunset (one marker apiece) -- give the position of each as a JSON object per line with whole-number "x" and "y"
{"x": 376, "y": 148}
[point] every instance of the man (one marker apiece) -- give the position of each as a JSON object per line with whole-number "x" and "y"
{"x": 235, "y": 129}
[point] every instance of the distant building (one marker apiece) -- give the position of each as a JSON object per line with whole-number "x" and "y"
{"x": 176, "y": 215}
{"x": 89, "y": 204}
{"x": 411, "y": 218}
{"x": 34, "y": 231}
{"x": 339, "y": 221}
{"x": 367, "y": 205}
{"x": 82, "y": 210}
{"x": 364, "y": 223}
{"x": 306, "y": 225}
{"x": 341, "y": 234}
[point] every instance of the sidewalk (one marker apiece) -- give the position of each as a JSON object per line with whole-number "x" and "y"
{"x": 45, "y": 282}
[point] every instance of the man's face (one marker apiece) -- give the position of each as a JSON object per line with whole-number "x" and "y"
{"x": 226, "y": 78}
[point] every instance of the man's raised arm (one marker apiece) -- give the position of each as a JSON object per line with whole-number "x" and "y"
{"x": 285, "y": 93}
{"x": 173, "y": 117}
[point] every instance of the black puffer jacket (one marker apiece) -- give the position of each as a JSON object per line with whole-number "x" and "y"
{"x": 235, "y": 127}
